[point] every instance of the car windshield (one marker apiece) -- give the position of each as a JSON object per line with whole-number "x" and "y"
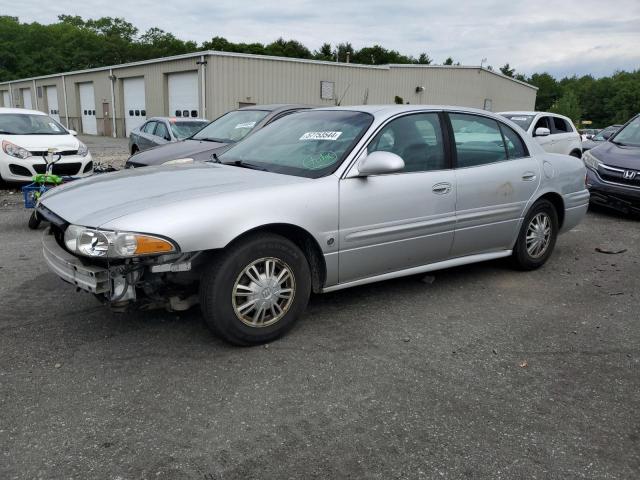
{"x": 523, "y": 121}
{"x": 231, "y": 127}
{"x": 185, "y": 128}
{"x": 29, "y": 124}
{"x": 308, "y": 144}
{"x": 629, "y": 135}
{"x": 604, "y": 134}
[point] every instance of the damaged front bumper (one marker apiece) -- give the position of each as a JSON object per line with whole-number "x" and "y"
{"x": 167, "y": 281}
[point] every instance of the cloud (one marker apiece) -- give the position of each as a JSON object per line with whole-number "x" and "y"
{"x": 565, "y": 38}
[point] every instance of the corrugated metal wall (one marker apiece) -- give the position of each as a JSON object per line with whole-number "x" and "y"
{"x": 232, "y": 79}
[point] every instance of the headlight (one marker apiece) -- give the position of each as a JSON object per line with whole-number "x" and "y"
{"x": 102, "y": 243}
{"x": 14, "y": 150}
{"x": 590, "y": 161}
{"x": 82, "y": 149}
{"x": 178, "y": 161}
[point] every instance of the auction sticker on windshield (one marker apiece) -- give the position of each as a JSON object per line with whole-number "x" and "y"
{"x": 246, "y": 125}
{"x": 320, "y": 136}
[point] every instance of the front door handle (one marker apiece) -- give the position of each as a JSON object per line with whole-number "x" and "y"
{"x": 528, "y": 176}
{"x": 441, "y": 188}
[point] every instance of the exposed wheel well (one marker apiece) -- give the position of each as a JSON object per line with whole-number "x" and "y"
{"x": 305, "y": 241}
{"x": 134, "y": 149}
{"x": 558, "y": 203}
{"x": 576, "y": 153}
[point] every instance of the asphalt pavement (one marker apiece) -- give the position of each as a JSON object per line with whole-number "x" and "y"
{"x": 478, "y": 372}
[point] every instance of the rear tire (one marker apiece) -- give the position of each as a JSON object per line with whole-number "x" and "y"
{"x": 34, "y": 221}
{"x": 255, "y": 290}
{"x": 537, "y": 236}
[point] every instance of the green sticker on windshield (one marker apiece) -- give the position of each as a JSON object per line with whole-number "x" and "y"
{"x": 320, "y": 160}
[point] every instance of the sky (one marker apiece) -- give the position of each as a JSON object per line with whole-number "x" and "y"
{"x": 563, "y": 38}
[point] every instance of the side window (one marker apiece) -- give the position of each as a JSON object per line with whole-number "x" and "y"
{"x": 417, "y": 139}
{"x": 515, "y": 146}
{"x": 543, "y": 122}
{"x": 478, "y": 140}
{"x": 161, "y": 131}
{"x": 560, "y": 125}
{"x": 149, "y": 128}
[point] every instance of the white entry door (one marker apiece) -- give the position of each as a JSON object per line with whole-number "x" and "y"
{"x": 52, "y": 102}
{"x": 6, "y": 99}
{"x": 135, "y": 113}
{"x": 88, "y": 109}
{"x": 26, "y": 98}
{"x": 183, "y": 94}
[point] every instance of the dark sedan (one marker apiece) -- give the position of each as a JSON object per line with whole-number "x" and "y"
{"x": 216, "y": 137}
{"x": 602, "y": 136}
{"x": 613, "y": 169}
{"x": 162, "y": 130}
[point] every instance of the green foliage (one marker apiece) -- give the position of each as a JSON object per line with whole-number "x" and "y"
{"x": 569, "y": 106}
{"x": 507, "y": 70}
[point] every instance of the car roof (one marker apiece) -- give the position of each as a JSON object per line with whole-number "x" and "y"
{"x": 531, "y": 112}
{"x": 168, "y": 119}
{"x": 21, "y": 110}
{"x": 274, "y": 107}
{"x": 393, "y": 109}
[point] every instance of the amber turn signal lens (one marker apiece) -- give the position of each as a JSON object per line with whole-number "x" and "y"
{"x": 147, "y": 245}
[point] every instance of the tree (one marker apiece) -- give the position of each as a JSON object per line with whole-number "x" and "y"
{"x": 448, "y": 61}
{"x": 325, "y": 53}
{"x": 568, "y": 106}
{"x": 507, "y": 70}
{"x": 548, "y": 90}
{"x": 424, "y": 59}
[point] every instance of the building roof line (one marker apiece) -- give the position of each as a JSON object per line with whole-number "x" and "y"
{"x": 216, "y": 53}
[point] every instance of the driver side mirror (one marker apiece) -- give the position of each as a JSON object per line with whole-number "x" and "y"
{"x": 589, "y": 137}
{"x": 73, "y": 132}
{"x": 542, "y": 132}
{"x": 379, "y": 163}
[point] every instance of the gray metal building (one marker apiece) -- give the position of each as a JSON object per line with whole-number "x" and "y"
{"x": 113, "y": 100}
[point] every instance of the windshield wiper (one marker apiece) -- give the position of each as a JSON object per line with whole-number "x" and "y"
{"x": 209, "y": 139}
{"x": 4, "y": 132}
{"x": 240, "y": 163}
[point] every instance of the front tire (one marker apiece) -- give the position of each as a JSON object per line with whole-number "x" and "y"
{"x": 537, "y": 236}
{"x": 254, "y": 291}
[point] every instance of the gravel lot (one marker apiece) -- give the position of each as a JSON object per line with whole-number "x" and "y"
{"x": 484, "y": 373}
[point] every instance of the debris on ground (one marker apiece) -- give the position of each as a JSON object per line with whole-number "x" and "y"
{"x": 610, "y": 252}
{"x": 428, "y": 279}
{"x": 523, "y": 364}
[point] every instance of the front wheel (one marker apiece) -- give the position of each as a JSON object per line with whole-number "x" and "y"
{"x": 537, "y": 236}
{"x": 34, "y": 221}
{"x": 254, "y": 292}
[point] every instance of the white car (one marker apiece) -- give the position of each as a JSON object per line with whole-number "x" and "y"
{"x": 27, "y": 135}
{"x": 555, "y": 133}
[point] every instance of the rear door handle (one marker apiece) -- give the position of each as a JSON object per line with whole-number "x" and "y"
{"x": 528, "y": 176}
{"x": 441, "y": 188}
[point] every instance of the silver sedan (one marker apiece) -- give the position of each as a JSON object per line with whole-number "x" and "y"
{"x": 319, "y": 201}
{"x": 163, "y": 130}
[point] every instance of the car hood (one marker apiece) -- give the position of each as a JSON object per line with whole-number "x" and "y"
{"x": 43, "y": 142}
{"x": 172, "y": 151}
{"x": 617, "y": 156}
{"x": 99, "y": 199}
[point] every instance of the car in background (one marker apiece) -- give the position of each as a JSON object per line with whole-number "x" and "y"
{"x": 587, "y": 133}
{"x": 602, "y": 136}
{"x": 26, "y": 137}
{"x": 555, "y": 133}
{"x": 321, "y": 200}
{"x": 162, "y": 130}
{"x": 216, "y": 137}
{"x": 613, "y": 169}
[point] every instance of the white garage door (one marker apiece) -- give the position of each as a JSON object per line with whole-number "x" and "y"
{"x": 52, "y": 101}
{"x": 88, "y": 109}
{"x": 134, "y": 105}
{"x": 26, "y": 98}
{"x": 183, "y": 94}
{"x": 6, "y": 99}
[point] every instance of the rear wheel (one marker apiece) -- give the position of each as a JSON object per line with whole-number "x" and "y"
{"x": 537, "y": 236}
{"x": 256, "y": 290}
